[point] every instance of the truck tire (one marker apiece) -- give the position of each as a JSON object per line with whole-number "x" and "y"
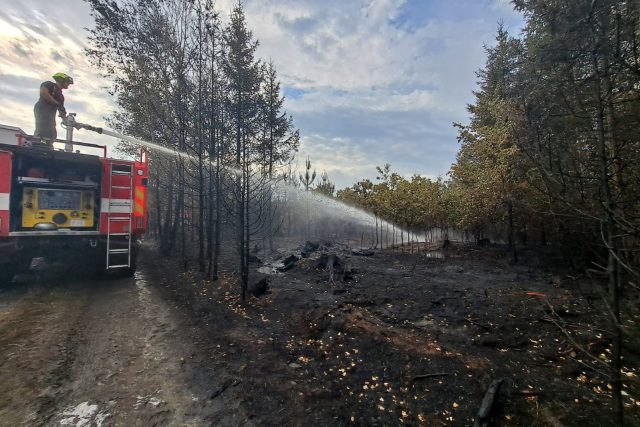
{"x": 20, "y": 265}
{"x": 7, "y": 272}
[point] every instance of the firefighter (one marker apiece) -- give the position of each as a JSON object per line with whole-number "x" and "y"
{"x": 51, "y": 100}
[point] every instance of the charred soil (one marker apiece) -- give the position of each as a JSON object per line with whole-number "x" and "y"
{"x": 395, "y": 338}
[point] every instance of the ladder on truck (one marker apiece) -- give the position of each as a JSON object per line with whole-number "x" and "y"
{"x": 121, "y": 206}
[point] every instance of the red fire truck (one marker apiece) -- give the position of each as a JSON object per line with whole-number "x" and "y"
{"x": 71, "y": 208}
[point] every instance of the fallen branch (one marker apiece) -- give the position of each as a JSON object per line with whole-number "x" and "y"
{"x": 573, "y": 324}
{"x": 529, "y": 393}
{"x": 586, "y": 365}
{"x": 485, "y": 327}
{"x": 570, "y": 338}
{"x": 225, "y": 386}
{"x": 482, "y": 418}
{"x": 424, "y": 376}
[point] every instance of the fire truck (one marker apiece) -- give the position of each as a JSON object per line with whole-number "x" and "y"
{"x": 71, "y": 208}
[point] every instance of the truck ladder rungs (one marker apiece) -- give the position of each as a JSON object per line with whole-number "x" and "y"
{"x": 120, "y": 170}
{"x": 116, "y": 172}
{"x": 119, "y": 251}
{"x": 119, "y": 266}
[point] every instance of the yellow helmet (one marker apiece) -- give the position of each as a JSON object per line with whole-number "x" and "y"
{"x": 63, "y": 77}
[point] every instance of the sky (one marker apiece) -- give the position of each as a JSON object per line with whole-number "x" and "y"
{"x": 367, "y": 82}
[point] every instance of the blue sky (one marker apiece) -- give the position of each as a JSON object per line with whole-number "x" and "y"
{"x": 368, "y": 82}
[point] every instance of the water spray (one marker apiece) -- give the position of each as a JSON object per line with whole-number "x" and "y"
{"x": 358, "y": 214}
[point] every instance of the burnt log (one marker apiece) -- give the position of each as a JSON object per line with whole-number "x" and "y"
{"x": 335, "y": 266}
{"x": 327, "y": 261}
{"x": 288, "y": 263}
{"x": 484, "y": 413}
{"x": 362, "y": 252}
{"x": 309, "y": 248}
{"x": 259, "y": 286}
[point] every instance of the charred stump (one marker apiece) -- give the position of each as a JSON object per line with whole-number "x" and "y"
{"x": 259, "y": 285}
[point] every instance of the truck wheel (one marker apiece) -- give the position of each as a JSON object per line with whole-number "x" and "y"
{"x": 6, "y": 274}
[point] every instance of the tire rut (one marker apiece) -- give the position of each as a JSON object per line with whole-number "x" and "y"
{"x": 101, "y": 353}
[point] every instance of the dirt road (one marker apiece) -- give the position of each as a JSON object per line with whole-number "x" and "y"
{"x": 107, "y": 352}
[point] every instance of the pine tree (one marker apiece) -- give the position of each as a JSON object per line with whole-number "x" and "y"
{"x": 244, "y": 74}
{"x": 279, "y": 140}
{"x": 489, "y": 167}
{"x": 325, "y": 187}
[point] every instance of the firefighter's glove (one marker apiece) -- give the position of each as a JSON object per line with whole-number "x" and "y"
{"x": 62, "y": 112}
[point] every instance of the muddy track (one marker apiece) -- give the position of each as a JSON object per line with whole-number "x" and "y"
{"x": 103, "y": 352}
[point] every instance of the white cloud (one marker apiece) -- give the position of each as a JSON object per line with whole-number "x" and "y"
{"x": 370, "y": 83}
{"x": 371, "y": 87}
{"x": 336, "y": 45}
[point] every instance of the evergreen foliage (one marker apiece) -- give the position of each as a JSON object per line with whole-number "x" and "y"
{"x": 551, "y": 151}
{"x": 187, "y": 82}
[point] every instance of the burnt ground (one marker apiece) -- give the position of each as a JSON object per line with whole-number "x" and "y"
{"x": 409, "y": 339}
{"x": 412, "y": 340}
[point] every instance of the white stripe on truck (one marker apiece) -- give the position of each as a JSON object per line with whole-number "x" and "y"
{"x": 115, "y": 206}
{"x": 4, "y": 201}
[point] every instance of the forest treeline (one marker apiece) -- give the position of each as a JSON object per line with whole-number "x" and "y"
{"x": 551, "y": 152}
